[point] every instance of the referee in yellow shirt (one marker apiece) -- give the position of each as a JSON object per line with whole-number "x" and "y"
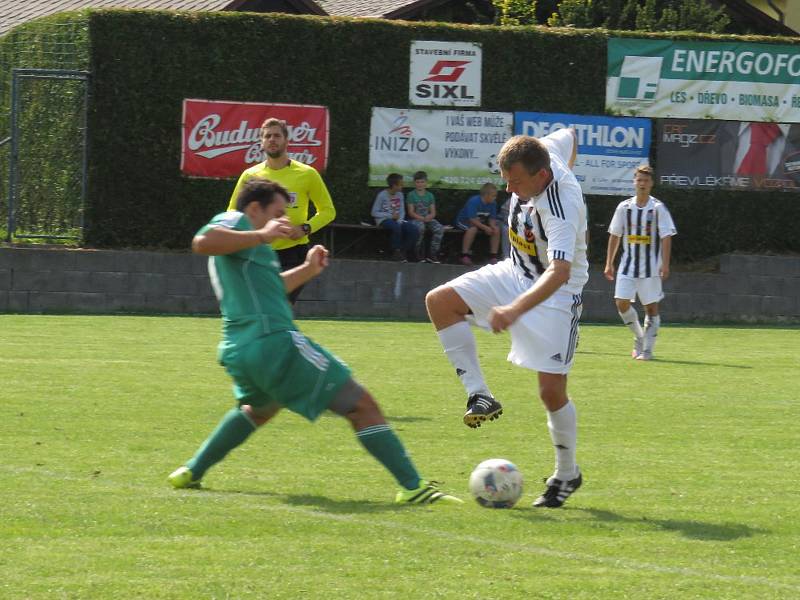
{"x": 305, "y": 186}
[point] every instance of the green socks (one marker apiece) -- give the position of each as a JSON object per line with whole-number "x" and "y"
{"x": 386, "y": 447}
{"x": 231, "y": 432}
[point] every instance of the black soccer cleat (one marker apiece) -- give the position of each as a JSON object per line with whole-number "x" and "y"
{"x": 557, "y": 492}
{"x": 481, "y": 407}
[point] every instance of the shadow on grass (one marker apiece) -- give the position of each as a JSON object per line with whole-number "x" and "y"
{"x": 696, "y": 530}
{"x": 321, "y": 503}
{"x": 694, "y": 363}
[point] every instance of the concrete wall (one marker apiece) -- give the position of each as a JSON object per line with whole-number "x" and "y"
{"x": 746, "y": 288}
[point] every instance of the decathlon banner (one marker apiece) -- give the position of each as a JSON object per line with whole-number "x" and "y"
{"x": 609, "y": 148}
{"x": 728, "y": 154}
{"x": 704, "y": 80}
{"x": 222, "y": 139}
{"x": 445, "y": 74}
{"x": 456, "y": 148}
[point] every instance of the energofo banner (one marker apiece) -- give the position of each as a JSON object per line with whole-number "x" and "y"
{"x": 728, "y": 154}
{"x": 445, "y": 74}
{"x": 222, "y": 139}
{"x": 699, "y": 80}
{"x": 456, "y": 148}
{"x": 609, "y": 149}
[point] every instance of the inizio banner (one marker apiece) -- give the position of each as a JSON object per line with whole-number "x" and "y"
{"x": 609, "y": 148}
{"x": 456, "y": 148}
{"x": 704, "y": 80}
{"x": 728, "y": 154}
{"x": 445, "y": 74}
{"x": 222, "y": 139}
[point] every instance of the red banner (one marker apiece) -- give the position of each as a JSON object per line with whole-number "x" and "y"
{"x": 222, "y": 139}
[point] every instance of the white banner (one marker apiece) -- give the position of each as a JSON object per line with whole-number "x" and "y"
{"x": 456, "y": 148}
{"x": 445, "y": 74}
{"x": 737, "y": 81}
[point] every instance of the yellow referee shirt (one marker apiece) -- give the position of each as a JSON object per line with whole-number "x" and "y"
{"x": 304, "y": 185}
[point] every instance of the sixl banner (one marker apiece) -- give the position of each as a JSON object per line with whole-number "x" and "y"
{"x": 609, "y": 148}
{"x": 704, "y": 80}
{"x": 445, "y": 74}
{"x": 222, "y": 139}
{"x": 456, "y": 148}
{"x": 728, "y": 154}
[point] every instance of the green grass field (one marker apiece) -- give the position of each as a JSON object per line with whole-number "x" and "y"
{"x": 691, "y": 470}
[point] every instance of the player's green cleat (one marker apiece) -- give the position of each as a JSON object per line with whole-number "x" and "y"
{"x": 428, "y": 492}
{"x": 182, "y": 478}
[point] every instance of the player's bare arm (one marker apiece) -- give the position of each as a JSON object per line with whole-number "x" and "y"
{"x": 219, "y": 241}
{"x": 316, "y": 262}
{"x": 611, "y": 253}
{"x": 666, "y": 253}
{"x": 574, "y": 155}
{"x": 557, "y": 274}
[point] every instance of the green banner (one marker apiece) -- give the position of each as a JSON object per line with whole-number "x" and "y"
{"x": 704, "y": 80}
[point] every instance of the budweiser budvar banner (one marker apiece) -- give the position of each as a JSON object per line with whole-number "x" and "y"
{"x": 221, "y": 139}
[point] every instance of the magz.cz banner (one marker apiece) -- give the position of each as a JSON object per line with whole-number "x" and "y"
{"x": 457, "y": 149}
{"x": 728, "y": 154}
{"x": 222, "y": 139}
{"x": 704, "y": 80}
{"x": 609, "y": 148}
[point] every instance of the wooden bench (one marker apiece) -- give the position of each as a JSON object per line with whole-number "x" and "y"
{"x": 363, "y": 230}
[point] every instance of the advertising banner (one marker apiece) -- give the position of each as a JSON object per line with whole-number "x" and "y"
{"x": 728, "y": 154}
{"x": 704, "y": 80}
{"x": 456, "y": 148}
{"x": 445, "y": 74}
{"x": 222, "y": 139}
{"x": 609, "y": 148}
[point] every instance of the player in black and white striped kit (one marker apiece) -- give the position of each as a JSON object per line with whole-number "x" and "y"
{"x": 645, "y": 228}
{"x": 535, "y": 294}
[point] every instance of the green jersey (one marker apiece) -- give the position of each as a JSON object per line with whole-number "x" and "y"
{"x": 250, "y": 289}
{"x": 421, "y": 202}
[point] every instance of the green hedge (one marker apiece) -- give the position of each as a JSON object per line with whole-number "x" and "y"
{"x": 145, "y": 63}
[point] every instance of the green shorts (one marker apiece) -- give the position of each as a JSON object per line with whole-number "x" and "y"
{"x": 288, "y": 369}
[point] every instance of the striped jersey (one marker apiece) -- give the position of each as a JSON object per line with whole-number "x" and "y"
{"x": 641, "y": 228}
{"x": 553, "y": 224}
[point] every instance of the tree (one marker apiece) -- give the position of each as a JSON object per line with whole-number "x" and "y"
{"x": 573, "y": 13}
{"x": 641, "y": 15}
{"x": 515, "y": 12}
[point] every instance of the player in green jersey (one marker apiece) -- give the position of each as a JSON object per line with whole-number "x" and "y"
{"x": 272, "y": 364}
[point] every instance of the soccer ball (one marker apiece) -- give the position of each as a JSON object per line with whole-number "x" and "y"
{"x": 491, "y": 162}
{"x": 496, "y": 483}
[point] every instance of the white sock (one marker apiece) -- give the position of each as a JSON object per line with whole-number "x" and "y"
{"x": 651, "y": 325}
{"x": 459, "y": 346}
{"x": 631, "y": 318}
{"x": 563, "y": 426}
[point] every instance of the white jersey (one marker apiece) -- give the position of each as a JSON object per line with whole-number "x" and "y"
{"x": 637, "y": 226}
{"x": 553, "y": 224}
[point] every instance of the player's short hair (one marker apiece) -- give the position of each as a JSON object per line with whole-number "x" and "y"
{"x": 644, "y": 170}
{"x": 526, "y": 150}
{"x": 273, "y": 122}
{"x": 488, "y": 187}
{"x": 420, "y": 175}
{"x": 259, "y": 190}
{"x": 393, "y": 179}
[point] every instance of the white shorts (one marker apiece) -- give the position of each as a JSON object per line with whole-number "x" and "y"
{"x": 543, "y": 339}
{"x": 648, "y": 289}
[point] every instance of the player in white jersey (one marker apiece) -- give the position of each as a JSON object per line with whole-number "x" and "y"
{"x": 535, "y": 294}
{"x": 645, "y": 227}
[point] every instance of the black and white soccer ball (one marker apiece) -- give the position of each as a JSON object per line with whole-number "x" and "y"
{"x": 491, "y": 162}
{"x": 496, "y": 483}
